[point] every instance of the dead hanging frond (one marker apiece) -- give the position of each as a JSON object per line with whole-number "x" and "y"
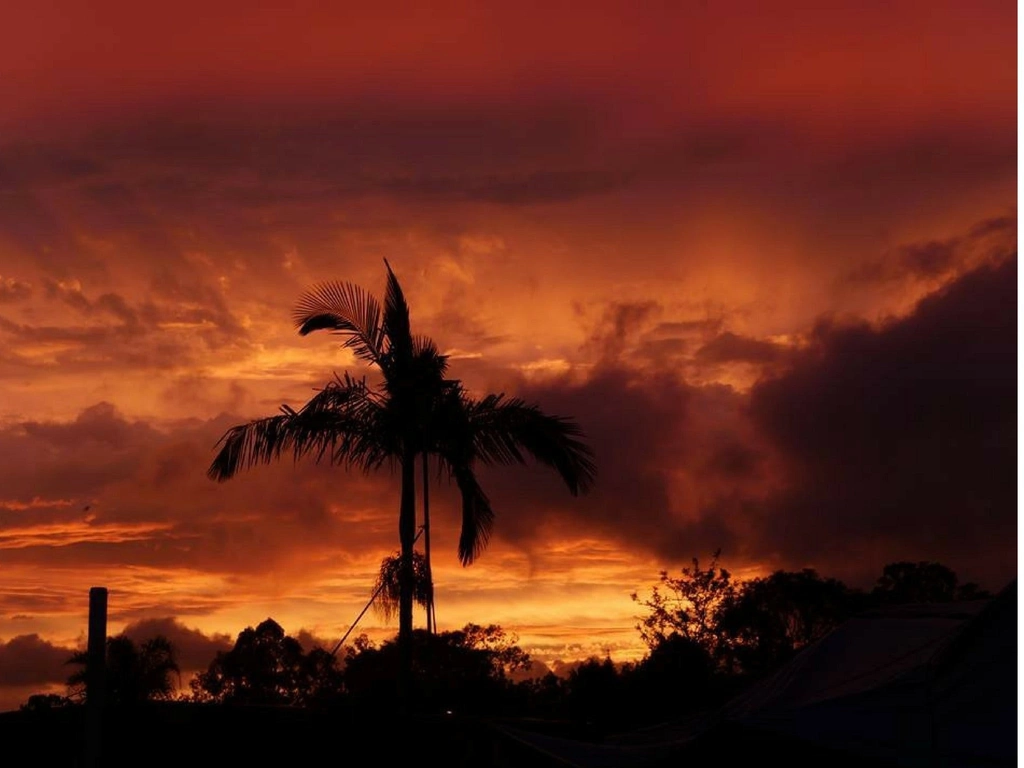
{"x": 387, "y": 587}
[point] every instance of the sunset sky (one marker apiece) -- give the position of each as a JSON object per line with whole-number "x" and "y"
{"x": 764, "y": 254}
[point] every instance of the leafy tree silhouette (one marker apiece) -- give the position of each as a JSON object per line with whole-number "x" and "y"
{"x": 744, "y": 627}
{"x": 751, "y": 627}
{"x": 415, "y": 412}
{"x": 689, "y": 606}
{"x": 466, "y": 671}
{"x": 768, "y": 619}
{"x": 921, "y": 582}
{"x": 267, "y": 667}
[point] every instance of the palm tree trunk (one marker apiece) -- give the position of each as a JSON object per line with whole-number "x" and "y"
{"x": 407, "y": 536}
{"x": 426, "y": 546}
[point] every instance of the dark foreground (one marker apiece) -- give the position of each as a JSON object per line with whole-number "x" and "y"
{"x": 176, "y": 734}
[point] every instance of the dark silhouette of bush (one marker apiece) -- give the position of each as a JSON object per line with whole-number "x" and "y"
{"x": 463, "y": 671}
{"x": 46, "y": 702}
{"x": 594, "y": 692}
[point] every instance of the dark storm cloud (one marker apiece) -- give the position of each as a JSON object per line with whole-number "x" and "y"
{"x": 193, "y": 649}
{"x": 69, "y": 460}
{"x": 937, "y": 151}
{"x": 873, "y": 444}
{"x": 190, "y": 299}
{"x": 682, "y": 328}
{"x": 661, "y": 350}
{"x": 84, "y": 335}
{"x": 733, "y": 459}
{"x": 244, "y": 160}
{"x": 30, "y": 660}
{"x": 349, "y": 135}
{"x": 666, "y": 345}
{"x": 180, "y": 321}
{"x": 999, "y": 225}
{"x": 655, "y": 439}
{"x": 546, "y": 187}
{"x": 112, "y": 304}
{"x": 103, "y": 489}
{"x": 618, "y": 327}
{"x": 100, "y": 423}
{"x": 498, "y": 153}
{"x": 908, "y": 168}
{"x": 309, "y": 640}
{"x": 244, "y": 185}
{"x": 47, "y": 163}
{"x": 902, "y": 439}
{"x": 23, "y": 219}
{"x": 729, "y": 348}
{"x": 633, "y": 333}
{"x": 993, "y": 238}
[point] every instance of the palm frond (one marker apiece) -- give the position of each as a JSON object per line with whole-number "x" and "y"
{"x": 504, "y": 429}
{"x": 345, "y": 309}
{"x": 350, "y": 424}
{"x": 477, "y": 515}
{"x": 336, "y": 424}
{"x": 76, "y": 680}
{"x": 430, "y": 359}
{"x": 243, "y": 446}
{"x": 396, "y": 326}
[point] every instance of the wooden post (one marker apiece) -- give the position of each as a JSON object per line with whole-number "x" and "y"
{"x": 95, "y": 674}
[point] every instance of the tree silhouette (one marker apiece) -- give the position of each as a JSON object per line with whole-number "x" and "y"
{"x": 414, "y": 412}
{"x": 921, "y": 582}
{"x": 268, "y": 667}
{"x": 45, "y": 702}
{"x": 465, "y": 670}
{"x": 770, "y": 618}
{"x": 134, "y": 673}
{"x": 689, "y": 606}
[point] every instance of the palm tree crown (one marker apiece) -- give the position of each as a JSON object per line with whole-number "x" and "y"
{"x": 415, "y": 411}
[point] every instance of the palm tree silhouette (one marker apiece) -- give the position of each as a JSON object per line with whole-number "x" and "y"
{"x": 415, "y": 411}
{"x": 135, "y": 673}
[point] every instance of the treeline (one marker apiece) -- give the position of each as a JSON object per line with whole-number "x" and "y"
{"x": 749, "y": 628}
{"x": 708, "y": 637}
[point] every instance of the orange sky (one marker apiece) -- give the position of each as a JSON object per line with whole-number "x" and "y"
{"x": 767, "y": 259}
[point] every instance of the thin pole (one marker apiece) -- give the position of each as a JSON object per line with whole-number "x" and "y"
{"x": 426, "y": 546}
